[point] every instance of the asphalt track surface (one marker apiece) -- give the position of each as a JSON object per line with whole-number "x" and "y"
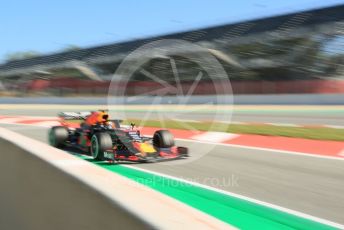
{"x": 299, "y": 117}
{"x": 306, "y": 184}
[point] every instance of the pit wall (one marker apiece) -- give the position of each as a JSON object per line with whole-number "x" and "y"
{"x": 46, "y": 188}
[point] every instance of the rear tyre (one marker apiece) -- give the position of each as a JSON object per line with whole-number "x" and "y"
{"x": 163, "y": 139}
{"x": 100, "y": 142}
{"x": 58, "y": 135}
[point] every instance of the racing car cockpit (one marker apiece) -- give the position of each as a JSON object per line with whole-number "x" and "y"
{"x": 98, "y": 117}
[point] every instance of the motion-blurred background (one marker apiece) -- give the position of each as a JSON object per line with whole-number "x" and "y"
{"x": 295, "y": 50}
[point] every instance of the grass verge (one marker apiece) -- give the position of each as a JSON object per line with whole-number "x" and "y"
{"x": 316, "y": 133}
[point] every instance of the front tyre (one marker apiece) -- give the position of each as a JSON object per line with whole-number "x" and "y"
{"x": 58, "y": 135}
{"x": 163, "y": 139}
{"x": 100, "y": 142}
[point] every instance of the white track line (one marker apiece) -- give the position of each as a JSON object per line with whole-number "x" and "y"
{"x": 263, "y": 203}
{"x": 341, "y": 153}
{"x": 214, "y": 137}
{"x": 334, "y": 126}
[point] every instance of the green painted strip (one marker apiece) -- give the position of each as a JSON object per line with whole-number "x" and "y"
{"x": 234, "y": 211}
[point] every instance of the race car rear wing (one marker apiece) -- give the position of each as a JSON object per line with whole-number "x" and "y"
{"x": 83, "y": 116}
{"x": 74, "y": 115}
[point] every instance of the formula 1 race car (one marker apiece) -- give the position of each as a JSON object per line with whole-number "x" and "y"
{"x": 106, "y": 139}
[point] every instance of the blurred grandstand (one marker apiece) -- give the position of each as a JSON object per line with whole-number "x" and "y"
{"x": 295, "y": 53}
